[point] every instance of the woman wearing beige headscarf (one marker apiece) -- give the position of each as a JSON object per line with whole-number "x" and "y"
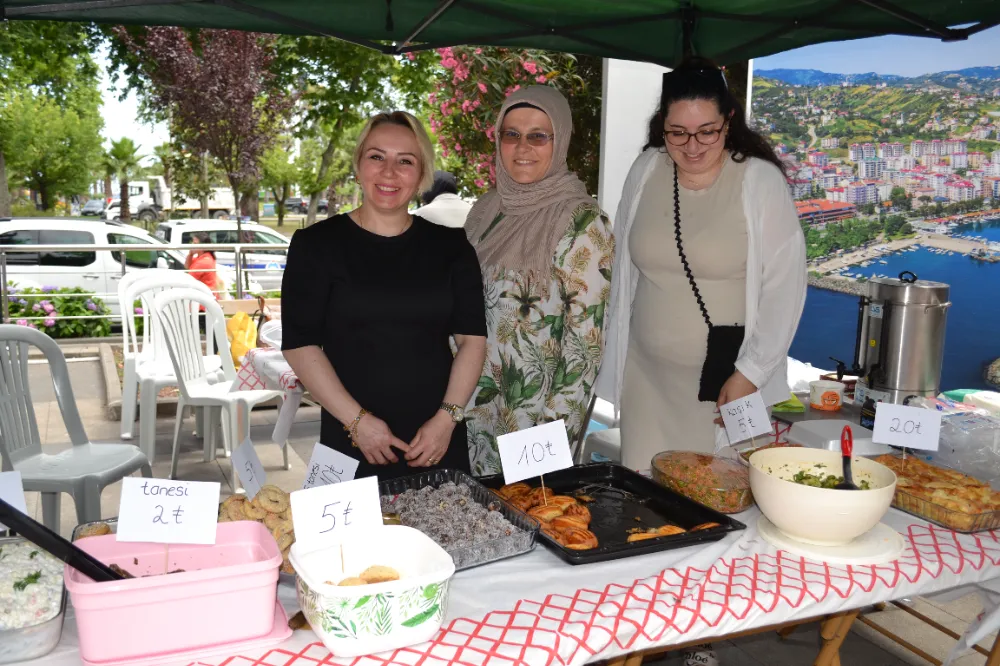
{"x": 546, "y": 250}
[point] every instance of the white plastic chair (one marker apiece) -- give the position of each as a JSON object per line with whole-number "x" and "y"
{"x": 151, "y": 369}
{"x": 131, "y": 349}
{"x": 84, "y": 469}
{"x": 177, "y": 310}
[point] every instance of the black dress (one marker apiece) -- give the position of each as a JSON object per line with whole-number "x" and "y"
{"x": 383, "y": 310}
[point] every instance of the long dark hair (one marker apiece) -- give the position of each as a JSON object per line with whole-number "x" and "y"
{"x": 700, "y": 78}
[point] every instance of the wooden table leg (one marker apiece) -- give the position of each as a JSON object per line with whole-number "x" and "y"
{"x": 787, "y": 631}
{"x": 633, "y": 659}
{"x": 994, "y": 657}
{"x": 834, "y": 630}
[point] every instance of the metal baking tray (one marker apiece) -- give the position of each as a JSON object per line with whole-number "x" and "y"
{"x": 476, "y": 555}
{"x": 623, "y": 500}
{"x": 113, "y": 524}
{"x": 35, "y": 640}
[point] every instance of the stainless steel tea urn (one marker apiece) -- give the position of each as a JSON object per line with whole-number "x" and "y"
{"x": 900, "y": 345}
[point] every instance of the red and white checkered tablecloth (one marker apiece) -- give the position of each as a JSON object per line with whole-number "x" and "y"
{"x": 535, "y": 610}
{"x": 266, "y": 369}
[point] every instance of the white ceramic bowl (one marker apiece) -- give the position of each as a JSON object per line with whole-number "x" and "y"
{"x": 819, "y": 516}
{"x": 367, "y": 619}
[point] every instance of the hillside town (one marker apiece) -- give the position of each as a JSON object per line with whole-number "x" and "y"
{"x": 899, "y": 147}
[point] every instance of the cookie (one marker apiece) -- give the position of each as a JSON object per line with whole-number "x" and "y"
{"x": 353, "y": 581}
{"x": 379, "y": 574}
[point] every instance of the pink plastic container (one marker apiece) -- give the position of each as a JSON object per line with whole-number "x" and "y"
{"x": 225, "y": 594}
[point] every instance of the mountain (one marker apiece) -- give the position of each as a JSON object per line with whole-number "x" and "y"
{"x": 814, "y": 77}
{"x": 975, "y": 78}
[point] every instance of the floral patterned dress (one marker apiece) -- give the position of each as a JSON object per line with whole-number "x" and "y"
{"x": 545, "y": 340}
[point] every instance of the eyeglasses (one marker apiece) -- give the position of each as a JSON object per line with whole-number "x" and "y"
{"x": 704, "y": 137}
{"x": 536, "y": 139}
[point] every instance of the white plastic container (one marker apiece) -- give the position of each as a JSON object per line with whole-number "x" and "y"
{"x": 825, "y": 434}
{"x": 367, "y": 619}
{"x": 988, "y": 400}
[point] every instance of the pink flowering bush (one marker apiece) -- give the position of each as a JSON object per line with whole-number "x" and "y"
{"x": 475, "y": 84}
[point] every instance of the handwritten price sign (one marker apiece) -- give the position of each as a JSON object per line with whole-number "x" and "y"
{"x": 909, "y": 427}
{"x": 745, "y": 418}
{"x": 535, "y": 451}
{"x": 325, "y": 515}
{"x": 12, "y": 492}
{"x": 163, "y": 511}
{"x": 328, "y": 466}
{"x": 248, "y": 467}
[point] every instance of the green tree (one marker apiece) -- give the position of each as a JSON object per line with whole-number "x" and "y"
{"x": 124, "y": 159}
{"x": 53, "y": 147}
{"x": 278, "y": 174}
{"x": 38, "y": 60}
{"x": 340, "y": 86}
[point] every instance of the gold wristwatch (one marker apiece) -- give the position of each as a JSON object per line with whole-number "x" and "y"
{"x": 457, "y": 413}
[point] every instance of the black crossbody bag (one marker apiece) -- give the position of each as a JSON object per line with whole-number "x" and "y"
{"x": 723, "y": 341}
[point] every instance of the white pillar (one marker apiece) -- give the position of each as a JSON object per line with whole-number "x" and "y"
{"x": 631, "y": 92}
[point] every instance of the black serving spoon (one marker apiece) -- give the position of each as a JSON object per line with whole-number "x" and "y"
{"x": 52, "y": 543}
{"x": 846, "y": 449}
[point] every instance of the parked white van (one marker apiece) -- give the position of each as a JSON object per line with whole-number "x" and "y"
{"x": 265, "y": 266}
{"x": 95, "y": 271}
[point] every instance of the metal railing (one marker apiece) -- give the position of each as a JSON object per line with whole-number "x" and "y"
{"x": 243, "y": 273}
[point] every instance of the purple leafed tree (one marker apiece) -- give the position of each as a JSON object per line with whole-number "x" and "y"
{"x": 217, "y": 88}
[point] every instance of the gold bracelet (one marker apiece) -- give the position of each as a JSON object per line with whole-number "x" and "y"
{"x": 352, "y": 428}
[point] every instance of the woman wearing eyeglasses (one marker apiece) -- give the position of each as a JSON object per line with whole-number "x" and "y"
{"x": 710, "y": 277}
{"x": 546, "y": 250}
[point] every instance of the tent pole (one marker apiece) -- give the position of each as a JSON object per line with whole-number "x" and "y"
{"x": 944, "y": 33}
{"x": 442, "y": 7}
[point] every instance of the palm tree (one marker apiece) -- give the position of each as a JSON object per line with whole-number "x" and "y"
{"x": 123, "y": 159}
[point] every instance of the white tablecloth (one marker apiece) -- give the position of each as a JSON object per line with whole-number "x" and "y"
{"x": 537, "y": 610}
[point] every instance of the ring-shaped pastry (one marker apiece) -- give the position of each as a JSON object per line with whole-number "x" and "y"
{"x": 253, "y": 510}
{"x": 272, "y": 499}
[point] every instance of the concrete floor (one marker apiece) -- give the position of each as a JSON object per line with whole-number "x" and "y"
{"x": 864, "y": 646}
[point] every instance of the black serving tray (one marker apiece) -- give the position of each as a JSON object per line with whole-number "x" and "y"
{"x": 522, "y": 541}
{"x": 613, "y": 513}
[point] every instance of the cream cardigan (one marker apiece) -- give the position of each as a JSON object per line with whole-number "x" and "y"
{"x": 775, "y": 282}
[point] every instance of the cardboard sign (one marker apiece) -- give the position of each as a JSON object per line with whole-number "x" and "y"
{"x": 248, "y": 467}
{"x": 745, "y": 418}
{"x": 164, "y": 511}
{"x": 534, "y": 451}
{"x": 12, "y": 492}
{"x": 326, "y": 515}
{"x": 328, "y": 466}
{"x": 909, "y": 427}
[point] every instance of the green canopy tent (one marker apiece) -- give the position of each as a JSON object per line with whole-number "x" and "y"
{"x": 658, "y": 31}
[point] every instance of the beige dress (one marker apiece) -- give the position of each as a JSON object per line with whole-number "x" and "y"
{"x": 668, "y": 336}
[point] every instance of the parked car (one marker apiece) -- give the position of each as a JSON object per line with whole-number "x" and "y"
{"x": 94, "y": 207}
{"x": 301, "y": 206}
{"x": 265, "y": 266}
{"x": 95, "y": 271}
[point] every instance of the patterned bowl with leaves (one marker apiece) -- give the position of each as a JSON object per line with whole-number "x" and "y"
{"x": 367, "y": 619}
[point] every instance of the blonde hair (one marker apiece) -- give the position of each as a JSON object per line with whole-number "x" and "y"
{"x": 403, "y": 119}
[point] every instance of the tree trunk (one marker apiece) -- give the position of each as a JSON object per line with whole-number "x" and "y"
{"x": 108, "y": 192}
{"x": 204, "y": 197}
{"x": 324, "y": 167}
{"x": 280, "y": 195}
{"x": 4, "y": 192}
{"x": 124, "y": 210}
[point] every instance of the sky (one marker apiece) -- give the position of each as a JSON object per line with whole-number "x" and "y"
{"x": 121, "y": 118}
{"x": 905, "y": 56}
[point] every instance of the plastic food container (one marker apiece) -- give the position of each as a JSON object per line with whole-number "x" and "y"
{"x": 34, "y": 640}
{"x": 907, "y": 498}
{"x": 355, "y": 621}
{"x": 718, "y": 483}
{"x": 826, "y": 396}
{"x": 225, "y": 594}
{"x": 825, "y": 434}
{"x": 521, "y": 541}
